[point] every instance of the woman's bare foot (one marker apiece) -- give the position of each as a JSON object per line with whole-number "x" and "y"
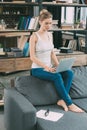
{"x": 75, "y": 108}
{"x": 62, "y": 104}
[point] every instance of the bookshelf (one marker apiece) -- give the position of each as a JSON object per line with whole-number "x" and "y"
{"x": 12, "y": 11}
{"x": 57, "y": 7}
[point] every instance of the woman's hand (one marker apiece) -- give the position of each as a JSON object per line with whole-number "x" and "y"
{"x": 50, "y": 69}
{"x": 53, "y": 69}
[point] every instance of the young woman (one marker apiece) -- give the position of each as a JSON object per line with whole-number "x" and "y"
{"x": 42, "y": 56}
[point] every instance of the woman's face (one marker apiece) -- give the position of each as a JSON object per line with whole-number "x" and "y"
{"x": 46, "y": 24}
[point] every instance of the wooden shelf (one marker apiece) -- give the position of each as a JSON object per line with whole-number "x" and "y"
{"x": 17, "y": 64}
{"x": 19, "y": 3}
{"x": 63, "y": 4}
{"x": 13, "y": 33}
{"x": 81, "y": 58}
{"x": 23, "y": 3}
{"x": 67, "y": 29}
{"x": 14, "y": 64}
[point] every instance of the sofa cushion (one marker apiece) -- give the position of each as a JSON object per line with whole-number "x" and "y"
{"x": 69, "y": 121}
{"x": 79, "y": 84}
{"x": 37, "y": 91}
{"x": 82, "y": 103}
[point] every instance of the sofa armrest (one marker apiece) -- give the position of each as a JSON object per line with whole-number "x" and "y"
{"x": 20, "y": 114}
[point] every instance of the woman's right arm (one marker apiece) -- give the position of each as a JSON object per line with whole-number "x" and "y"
{"x": 33, "y": 42}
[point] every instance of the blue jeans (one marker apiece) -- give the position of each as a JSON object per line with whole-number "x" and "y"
{"x": 62, "y": 81}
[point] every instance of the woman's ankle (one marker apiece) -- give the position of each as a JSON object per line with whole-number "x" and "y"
{"x": 62, "y": 104}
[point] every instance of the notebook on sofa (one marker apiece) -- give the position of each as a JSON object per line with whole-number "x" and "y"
{"x": 65, "y": 64}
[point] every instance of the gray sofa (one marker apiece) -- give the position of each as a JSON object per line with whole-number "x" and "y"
{"x": 31, "y": 94}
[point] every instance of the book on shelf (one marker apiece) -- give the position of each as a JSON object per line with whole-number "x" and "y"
{"x": 24, "y": 27}
{"x": 3, "y": 54}
{"x": 27, "y": 22}
{"x": 36, "y": 24}
{"x": 33, "y": 23}
{"x": 61, "y": 1}
{"x": 20, "y": 23}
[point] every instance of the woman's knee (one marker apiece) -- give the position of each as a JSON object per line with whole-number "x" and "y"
{"x": 70, "y": 73}
{"x": 57, "y": 76}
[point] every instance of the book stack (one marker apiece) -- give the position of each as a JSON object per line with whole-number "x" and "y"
{"x": 66, "y": 50}
{"x": 66, "y": 26}
{"x": 61, "y": 1}
{"x": 2, "y": 53}
{"x": 17, "y": 52}
{"x": 26, "y": 23}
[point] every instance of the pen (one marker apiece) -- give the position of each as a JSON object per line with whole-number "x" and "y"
{"x": 47, "y": 112}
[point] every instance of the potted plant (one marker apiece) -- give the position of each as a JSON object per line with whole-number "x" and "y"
{"x": 76, "y": 24}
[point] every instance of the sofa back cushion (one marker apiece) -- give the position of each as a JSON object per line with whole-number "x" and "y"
{"x": 79, "y": 84}
{"x": 37, "y": 91}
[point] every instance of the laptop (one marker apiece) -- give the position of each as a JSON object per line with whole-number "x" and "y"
{"x": 65, "y": 64}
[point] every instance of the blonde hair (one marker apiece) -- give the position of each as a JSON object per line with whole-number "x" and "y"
{"x": 44, "y": 14}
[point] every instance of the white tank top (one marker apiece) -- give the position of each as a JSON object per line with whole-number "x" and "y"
{"x": 43, "y": 51}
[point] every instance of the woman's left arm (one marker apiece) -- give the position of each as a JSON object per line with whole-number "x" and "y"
{"x": 54, "y": 58}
